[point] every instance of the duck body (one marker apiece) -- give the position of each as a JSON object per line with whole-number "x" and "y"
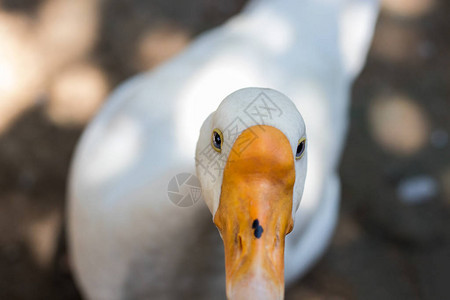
{"x": 127, "y": 239}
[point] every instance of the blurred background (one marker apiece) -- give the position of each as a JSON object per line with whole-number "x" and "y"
{"x": 60, "y": 58}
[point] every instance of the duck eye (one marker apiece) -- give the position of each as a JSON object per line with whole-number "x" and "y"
{"x": 300, "y": 148}
{"x": 216, "y": 140}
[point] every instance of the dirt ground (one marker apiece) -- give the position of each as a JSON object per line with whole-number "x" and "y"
{"x": 393, "y": 237}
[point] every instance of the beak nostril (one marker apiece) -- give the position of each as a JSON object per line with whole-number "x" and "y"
{"x": 258, "y": 228}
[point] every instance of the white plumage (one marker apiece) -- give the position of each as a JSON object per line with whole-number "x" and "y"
{"x": 127, "y": 240}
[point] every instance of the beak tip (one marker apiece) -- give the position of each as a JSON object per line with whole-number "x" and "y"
{"x": 255, "y": 288}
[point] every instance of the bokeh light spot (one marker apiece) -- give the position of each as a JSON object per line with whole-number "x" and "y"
{"x": 408, "y": 8}
{"x": 21, "y": 74}
{"x": 42, "y": 237}
{"x": 67, "y": 30}
{"x": 76, "y": 94}
{"x": 398, "y": 124}
{"x": 160, "y": 44}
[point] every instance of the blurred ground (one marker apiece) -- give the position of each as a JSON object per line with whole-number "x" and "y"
{"x": 59, "y": 58}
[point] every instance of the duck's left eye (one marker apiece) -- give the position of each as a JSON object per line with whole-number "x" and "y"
{"x": 300, "y": 148}
{"x": 216, "y": 140}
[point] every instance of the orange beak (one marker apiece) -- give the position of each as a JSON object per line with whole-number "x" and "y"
{"x": 255, "y": 213}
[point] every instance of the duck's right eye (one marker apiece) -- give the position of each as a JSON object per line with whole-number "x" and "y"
{"x": 300, "y": 148}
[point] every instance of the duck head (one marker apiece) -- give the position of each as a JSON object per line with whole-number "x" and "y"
{"x": 251, "y": 163}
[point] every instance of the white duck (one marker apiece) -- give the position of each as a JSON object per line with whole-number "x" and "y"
{"x": 128, "y": 241}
